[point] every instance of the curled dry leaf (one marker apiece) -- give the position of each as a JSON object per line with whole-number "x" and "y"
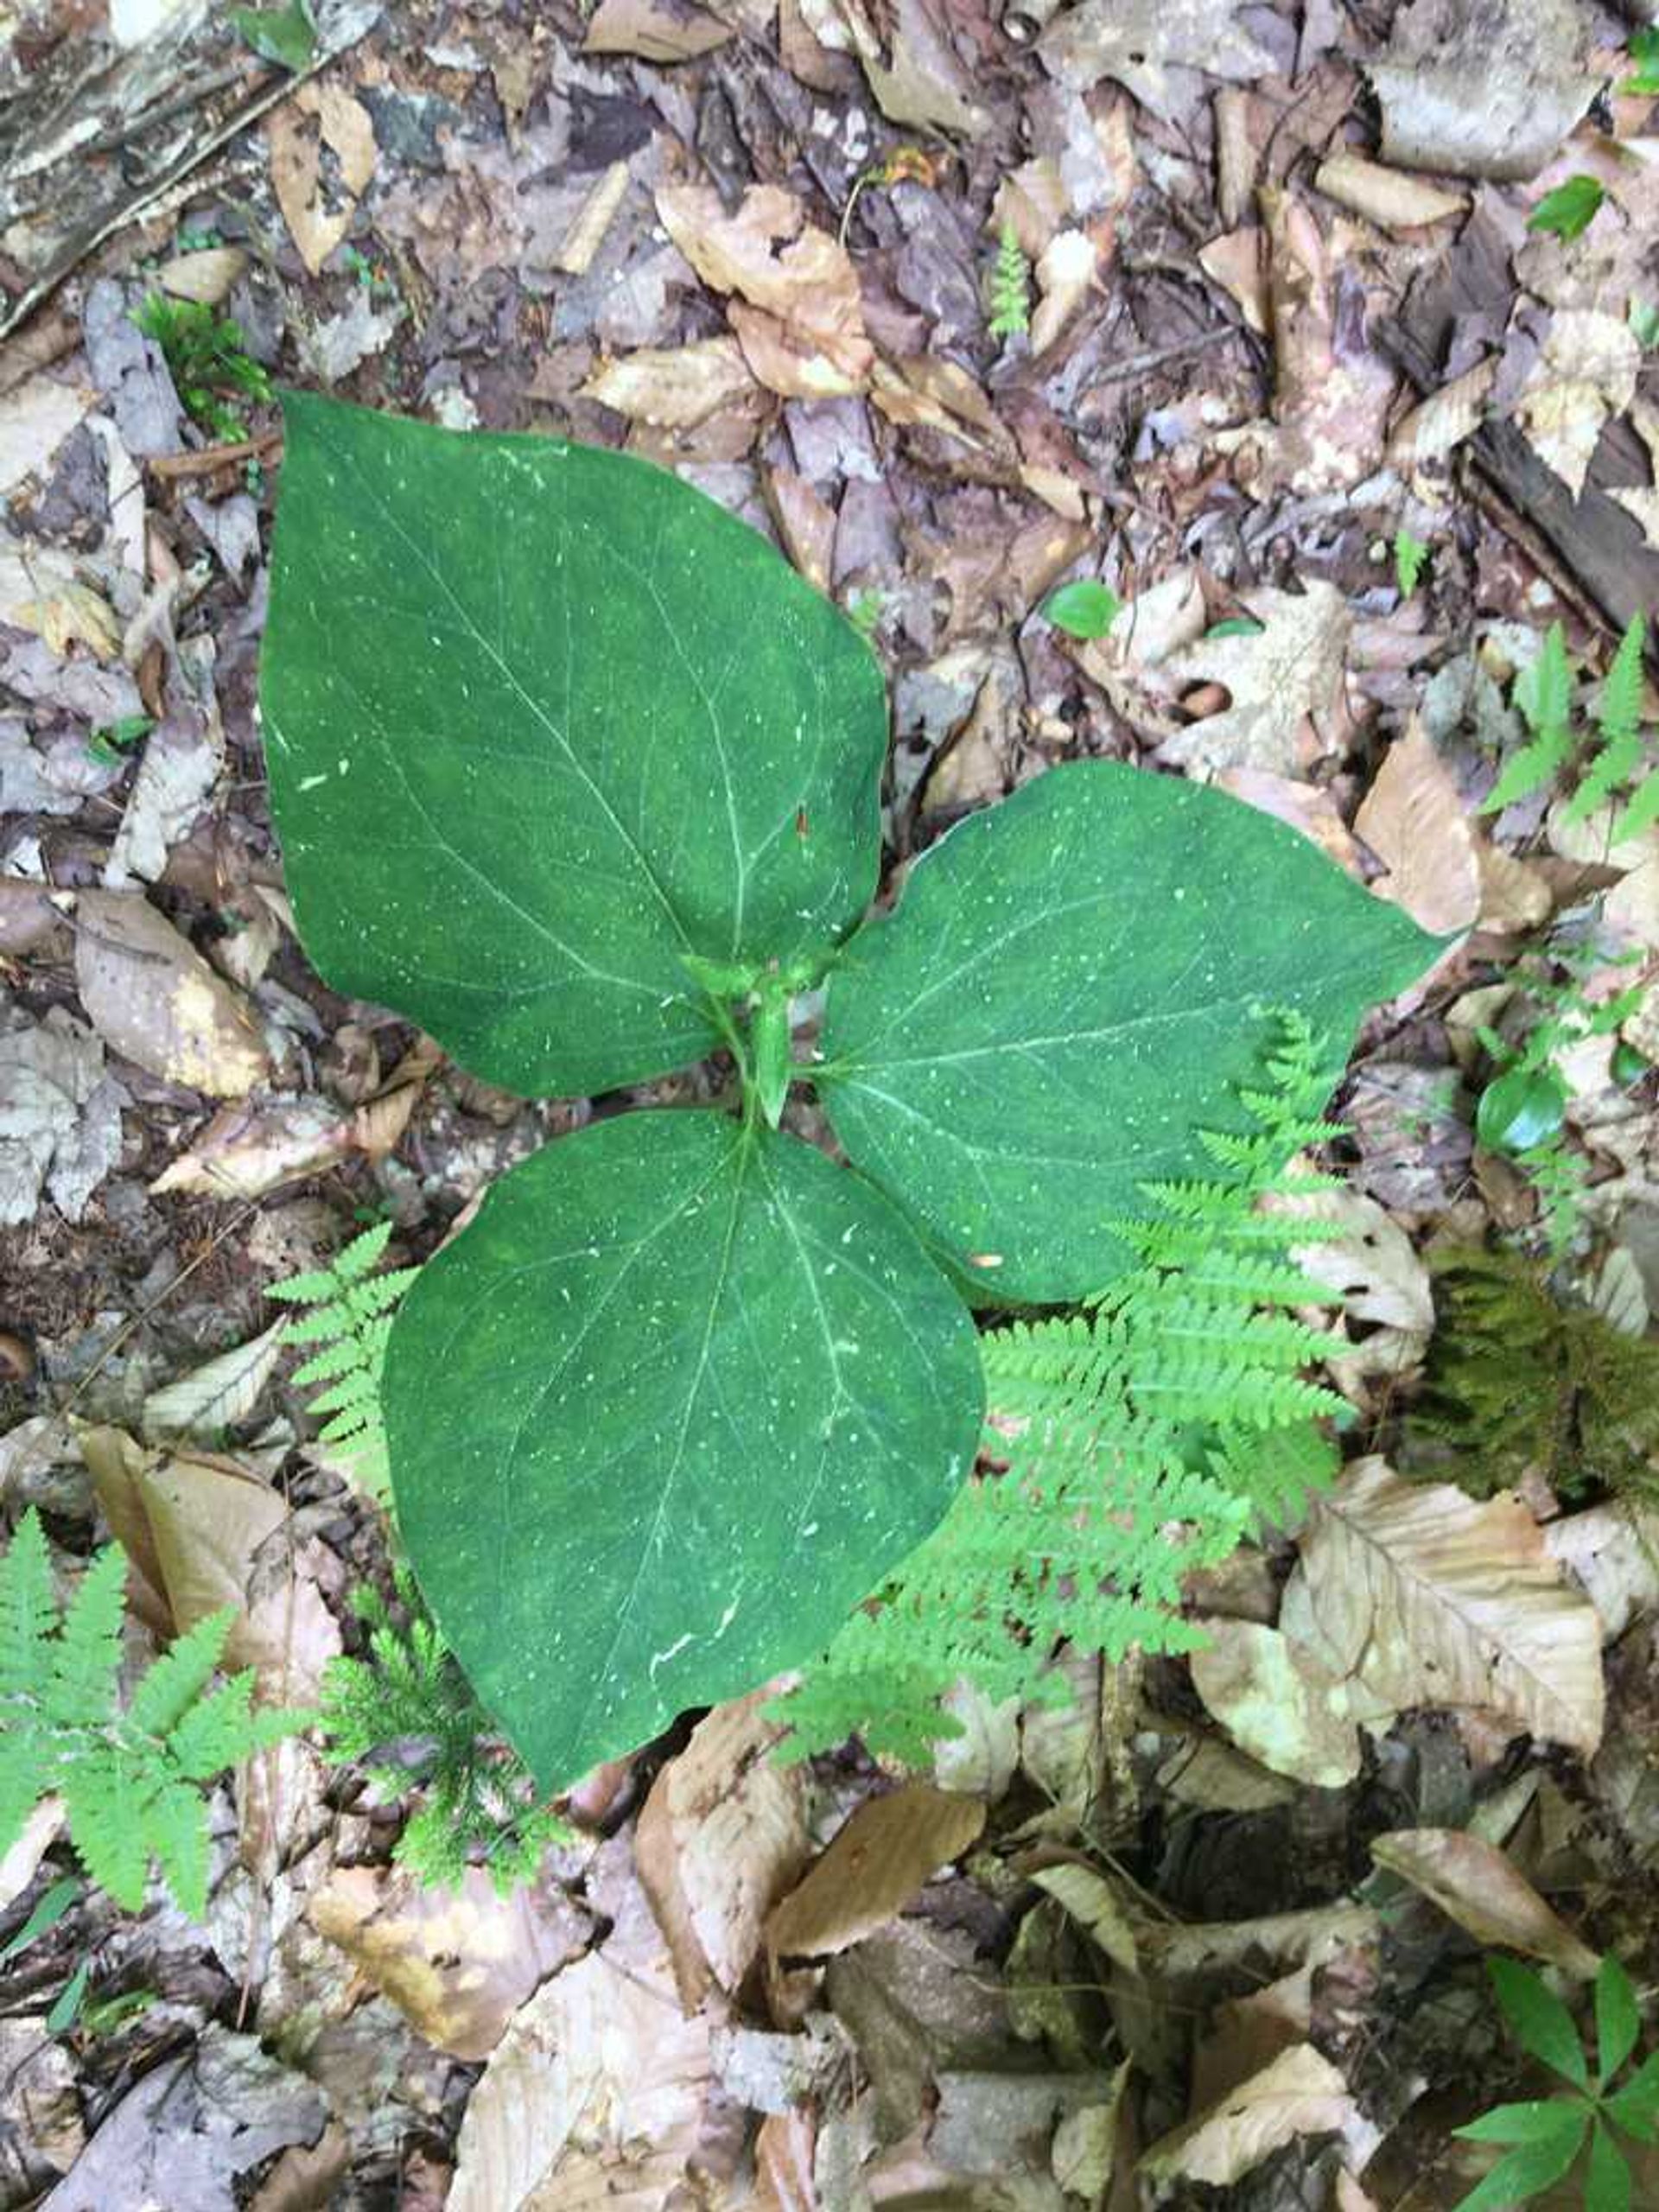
{"x": 1586, "y": 371}
{"x": 1389, "y": 198}
{"x": 248, "y": 1149}
{"x": 722, "y": 1838}
{"x": 1299, "y": 2094}
{"x": 151, "y": 995}
{"x": 1440, "y": 423}
{"x": 1279, "y": 1941}
{"x": 1066, "y": 273}
{"x": 1092, "y": 1901}
{"x": 1475, "y": 1884}
{"x": 593, "y": 217}
{"x": 673, "y": 387}
{"x": 1238, "y": 261}
{"x": 218, "y": 1395}
{"x": 457, "y": 1963}
{"x": 319, "y": 113}
{"x": 912, "y": 66}
{"x": 1412, "y": 820}
{"x": 872, "y": 1869}
{"x": 1421, "y": 1596}
{"x": 802, "y": 330}
{"x": 1277, "y": 1702}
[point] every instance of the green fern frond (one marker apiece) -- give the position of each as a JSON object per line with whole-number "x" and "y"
{"x": 408, "y": 1714}
{"x": 1010, "y": 288}
{"x": 1131, "y": 1442}
{"x": 1620, "y": 750}
{"x": 130, "y": 1780}
{"x": 1543, "y": 694}
{"x": 350, "y": 1319}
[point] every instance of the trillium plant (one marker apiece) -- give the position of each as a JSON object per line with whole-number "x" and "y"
{"x": 572, "y": 770}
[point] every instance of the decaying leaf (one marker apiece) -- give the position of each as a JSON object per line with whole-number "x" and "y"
{"x": 150, "y": 994}
{"x": 36, "y": 418}
{"x": 1093, "y": 1902}
{"x": 248, "y": 1149}
{"x": 802, "y": 330}
{"x": 657, "y": 30}
{"x": 1420, "y": 1596}
{"x": 457, "y": 1963}
{"x": 673, "y": 387}
{"x": 872, "y": 1869}
{"x": 1388, "y": 197}
{"x": 1299, "y": 2094}
{"x": 1274, "y": 679}
{"x": 59, "y": 1114}
{"x": 1065, "y": 273}
{"x": 908, "y": 56}
{"x": 1148, "y": 45}
{"x": 1415, "y": 823}
{"x": 1475, "y": 1884}
{"x": 1586, "y": 372}
{"x": 1277, "y": 1702}
{"x": 1482, "y": 87}
{"x": 723, "y": 1836}
{"x": 320, "y": 113}
{"x": 1440, "y": 423}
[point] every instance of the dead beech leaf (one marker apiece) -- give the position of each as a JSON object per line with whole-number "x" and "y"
{"x": 1412, "y": 820}
{"x": 1440, "y": 423}
{"x": 1586, "y": 371}
{"x": 248, "y": 1149}
{"x": 318, "y": 113}
{"x": 204, "y": 276}
{"x": 1277, "y": 1702}
{"x": 36, "y": 418}
{"x": 873, "y": 1868}
{"x": 1306, "y": 808}
{"x": 1389, "y": 198}
{"x": 673, "y": 387}
{"x": 722, "y": 1838}
{"x": 151, "y": 995}
{"x": 593, "y": 2096}
{"x": 1083, "y": 2151}
{"x": 1238, "y": 261}
{"x": 1474, "y": 1883}
{"x": 1290, "y": 669}
{"x": 1513, "y": 894}
{"x": 1299, "y": 2094}
{"x": 1092, "y": 1901}
{"x": 657, "y": 30}
{"x": 1281, "y": 1940}
{"x": 802, "y": 330}
{"x": 1423, "y": 1596}
{"x": 593, "y": 217}
{"x": 911, "y": 64}
{"x": 216, "y": 1394}
{"x": 457, "y": 1963}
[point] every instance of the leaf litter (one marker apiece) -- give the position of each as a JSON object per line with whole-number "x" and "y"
{"x": 754, "y": 243}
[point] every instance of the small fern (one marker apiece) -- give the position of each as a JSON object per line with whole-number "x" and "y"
{"x": 350, "y": 1317}
{"x": 1133, "y": 1442}
{"x": 131, "y": 1782}
{"x": 408, "y": 1714}
{"x": 1611, "y": 756}
{"x": 1010, "y": 288}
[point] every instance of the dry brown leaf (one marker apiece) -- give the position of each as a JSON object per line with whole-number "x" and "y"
{"x": 911, "y": 64}
{"x": 217, "y": 1396}
{"x": 458, "y": 1963}
{"x": 872, "y": 1869}
{"x": 1277, "y": 1941}
{"x": 1514, "y": 895}
{"x": 1612, "y": 1550}
{"x": 204, "y": 276}
{"x": 36, "y": 418}
{"x": 1412, "y": 820}
{"x": 1277, "y": 1702}
{"x": 1306, "y": 808}
{"x": 1066, "y": 276}
{"x": 1476, "y": 1885}
{"x": 150, "y": 994}
{"x": 722, "y": 1838}
{"x": 1093, "y": 1903}
{"x": 673, "y": 387}
{"x": 1390, "y": 198}
{"x": 248, "y": 1149}
{"x": 1441, "y": 422}
{"x": 1150, "y": 46}
{"x": 593, "y": 217}
{"x": 806, "y": 525}
{"x": 657, "y": 30}
{"x": 594, "y": 2097}
{"x": 802, "y": 330}
{"x": 1292, "y": 668}
{"x": 319, "y": 114}
{"x": 783, "y": 2180}
{"x": 1238, "y": 261}
{"x": 1586, "y": 371}
{"x": 1423, "y": 1596}
{"x": 1299, "y": 2094}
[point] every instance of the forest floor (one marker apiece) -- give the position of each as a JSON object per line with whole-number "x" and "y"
{"x": 1345, "y": 427}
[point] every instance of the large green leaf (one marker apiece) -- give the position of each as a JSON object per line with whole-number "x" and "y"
{"x": 1063, "y": 997}
{"x": 662, "y": 1417}
{"x": 540, "y": 721}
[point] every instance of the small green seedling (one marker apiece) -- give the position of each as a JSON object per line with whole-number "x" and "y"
{"x": 112, "y": 742}
{"x": 1410, "y": 560}
{"x": 62, "y": 1897}
{"x": 1642, "y": 315}
{"x": 1568, "y": 211}
{"x": 1609, "y": 758}
{"x": 1010, "y": 314}
{"x": 206, "y": 358}
{"x": 571, "y": 769}
{"x": 1085, "y": 608}
{"x": 1548, "y": 2134}
{"x": 287, "y": 35}
{"x": 1642, "y": 83}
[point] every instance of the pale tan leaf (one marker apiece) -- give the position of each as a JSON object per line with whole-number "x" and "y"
{"x": 593, "y": 217}
{"x": 204, "y": 276}
{"x": 593, "y": 2096}
{"x": 36, "y": 418}
{"x": 1277, "y": 1703}
{"x": 219, "y": 1394}
{"x": 911, "y": 65}
{"x": 1514, "y": 895}
{"x": 1093, "y": 1903}
{"x": 1488, "y": 90}
{"x": 1424, "y": 1597}
{"x": 1238, "y": 261}
{"x": 458, "y": 1963}
{"x": 673, "y": 387}
{"x": 1612, "y": 1552}
{"x": 722, "y": 1838}
{"x": 1413, "y": 821}
{"x": 1081, "y": 2157}
{"x": 20, "y": 1861}
{"x": 1371, "y": 1261}
{"x": 319, "y": 114}
{"x": 1066, "y": 276}
{"x": 1389, "y": 198}
{"x": 1147, "y": 45}
{"x": 1281, "y": 1940}
{"x": 981, "y": 1761}
{"x": 657, "y": 30}
{"x": 872, "y": 1869}
{"x": 1299, "y": 2094}
{"x": 1475, "y": 1884}
{"x": 1439, "y": 425}
{"x": 1586, "y": 372}
{"x": 249, "y": 1148}
{"x": 150, "y": 994}
{"x": 1274, "y": 679}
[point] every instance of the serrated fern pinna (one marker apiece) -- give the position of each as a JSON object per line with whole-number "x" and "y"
{"x": 1126, "y": 1444}
{"x": 131, "y": 1780}
{"x": 350, "y": 1319}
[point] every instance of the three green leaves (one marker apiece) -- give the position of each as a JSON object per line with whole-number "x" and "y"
{"x": 572, "y": 770}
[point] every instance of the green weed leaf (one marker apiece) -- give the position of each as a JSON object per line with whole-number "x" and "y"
{"x": 1524, "y": 1107}
{"x": 1061, "y": 1001}
{"x": 1541, "y": 2120}
{"x": 662, "y": 1418}
{"x": 1642, "y": 83}
{"x": 1410, "y": 559}
{"x": 1634, "y": 2108}
{"x": 1568, "y": 211}
{"x": 287, "y": 35}
{"x": 523, "y": 765}
{"x": 1083, "y": 608}
{"x": 1539, "y": 2020}
{"x": 1619, "y": 2019}
{"x": 1607, "y": 2181}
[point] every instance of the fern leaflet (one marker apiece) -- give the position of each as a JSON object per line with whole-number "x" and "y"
{"x": 1543, "y": 694}
{"x": 350, "y": 1319}
{"x": 1010, "y": 288}
{"x": 1128, "y": 1444}
{"x": 130, "y": 1780}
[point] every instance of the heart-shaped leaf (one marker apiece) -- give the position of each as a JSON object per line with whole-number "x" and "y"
{"x": 1062, "y": 1001}
{"x": 662, "y": 1417}
{"x": 542, "y": 723}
